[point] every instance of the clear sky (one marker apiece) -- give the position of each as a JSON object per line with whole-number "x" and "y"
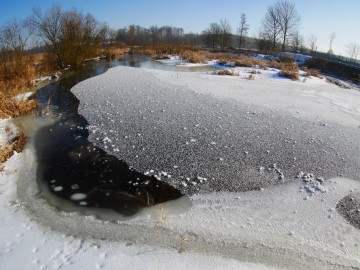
{"x": 319, "y": 17}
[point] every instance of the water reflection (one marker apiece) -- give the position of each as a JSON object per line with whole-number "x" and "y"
{"x": 72, "y": 168}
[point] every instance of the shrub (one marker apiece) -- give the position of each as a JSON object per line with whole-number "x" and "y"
{"x": 313, "y": 72}
{"x": 195, "y": 57}
{"x": 251, "y": 77}
{"x": 274, "y": 64}
{"x": 289, "y": 70}
{"x": 244, "y": 62}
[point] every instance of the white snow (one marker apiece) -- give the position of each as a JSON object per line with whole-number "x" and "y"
{"x": 23, "y": 96}
{"x": 8, "y": 131}
{"x": 292, "y": 226}
{"x": 314, "y": 99}
{"x": 24, "y": 244}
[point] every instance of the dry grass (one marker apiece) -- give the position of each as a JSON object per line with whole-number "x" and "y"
{"x": 312, "y": 72}
{"x": 112, "y": 51}
{"x": 10, "y": 108}
{"x": 196, "y": 56}
{"x": 289, "y": 70}
{"x": 7, "y": 150}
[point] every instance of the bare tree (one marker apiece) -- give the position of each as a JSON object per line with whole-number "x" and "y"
{"x": 154, "y": 33}
{"x": 271, "y": 27}
{"x": 312, "y": 40}
{"x": 71, "y": 36}
{"x": 353, "y": 50}
{"x": 243, "y": 28}
{"x": 225, "y": 33}
{"x": 263, "y": 41}
{"x": 212, "y": 35}
{"x": 332, "y": 37}
{"x": 15, "y": 35}
{"x": 297, "y": 42}
{"x": 49, "y": 29}
{"x": 288, "y": 19}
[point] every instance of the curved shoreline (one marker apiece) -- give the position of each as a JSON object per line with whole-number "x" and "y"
{"x": 249, "y": 245}
{"x": 280, "y": 226}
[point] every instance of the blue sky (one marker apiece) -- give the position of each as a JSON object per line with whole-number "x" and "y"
{"x": 319, "y": 17}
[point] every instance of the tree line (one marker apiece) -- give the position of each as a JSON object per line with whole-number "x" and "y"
{"x": 70, "y": 36}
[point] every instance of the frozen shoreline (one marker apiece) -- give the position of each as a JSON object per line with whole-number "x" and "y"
{"x": 280, "y": 226}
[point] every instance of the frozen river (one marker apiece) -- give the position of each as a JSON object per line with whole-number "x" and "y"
{"x": 263, "y": 165}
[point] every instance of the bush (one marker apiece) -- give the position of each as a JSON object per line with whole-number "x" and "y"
{"x": 244, "y": 62}
{"x": 195, "y": 57}
{"x": 289, "y": 70}
{"x": 313, "y": 72}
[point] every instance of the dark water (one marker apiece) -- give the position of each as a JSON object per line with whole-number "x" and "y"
{"x": 72, "y": 168}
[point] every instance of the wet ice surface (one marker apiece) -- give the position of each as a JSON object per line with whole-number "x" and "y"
{"x": 201, "y": 143}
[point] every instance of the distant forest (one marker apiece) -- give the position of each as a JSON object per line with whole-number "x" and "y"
{"x": 70, "y": 36}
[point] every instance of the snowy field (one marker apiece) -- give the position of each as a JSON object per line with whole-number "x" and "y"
{"x": 293, "y": 144}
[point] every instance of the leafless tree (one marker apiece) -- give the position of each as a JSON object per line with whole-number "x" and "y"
{"x": 297, "y": 42}
{"x": 243, "y": 28}
{"x": 263, "y": 41}
{"x": 312, "y": 40}
{"x": 16, "y": 64}
{"x": 225, "y": 33}
{"x": 353, "y": 50}
{"x": 15, "y": 35}
{"x": 271, "y": 27}
{"x": 154, "y": 33}
{"x": 49, "y": 29}
{"x": 288, "y": 19}
{"x": 71, "y": 36}
{"x": 212, "y": 35}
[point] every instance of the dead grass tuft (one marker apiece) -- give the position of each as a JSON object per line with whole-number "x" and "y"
{"x": 195, "y": 56}
{"x": 289, "y": 70}
{"x": 312, "y": 72}
{"x": 10, "y": 108}
{"x": 7, "y": 150}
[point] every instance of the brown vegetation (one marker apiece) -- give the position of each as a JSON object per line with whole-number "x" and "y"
{"x": 289, "y": 70}
{"x": 16, "y": 75}
{"x": 311, "y": 72}
{"x": 7, "y": 150}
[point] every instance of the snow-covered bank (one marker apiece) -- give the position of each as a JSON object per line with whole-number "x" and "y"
{"x": 26, "y": 244}
{"x": 275, "y": 227}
